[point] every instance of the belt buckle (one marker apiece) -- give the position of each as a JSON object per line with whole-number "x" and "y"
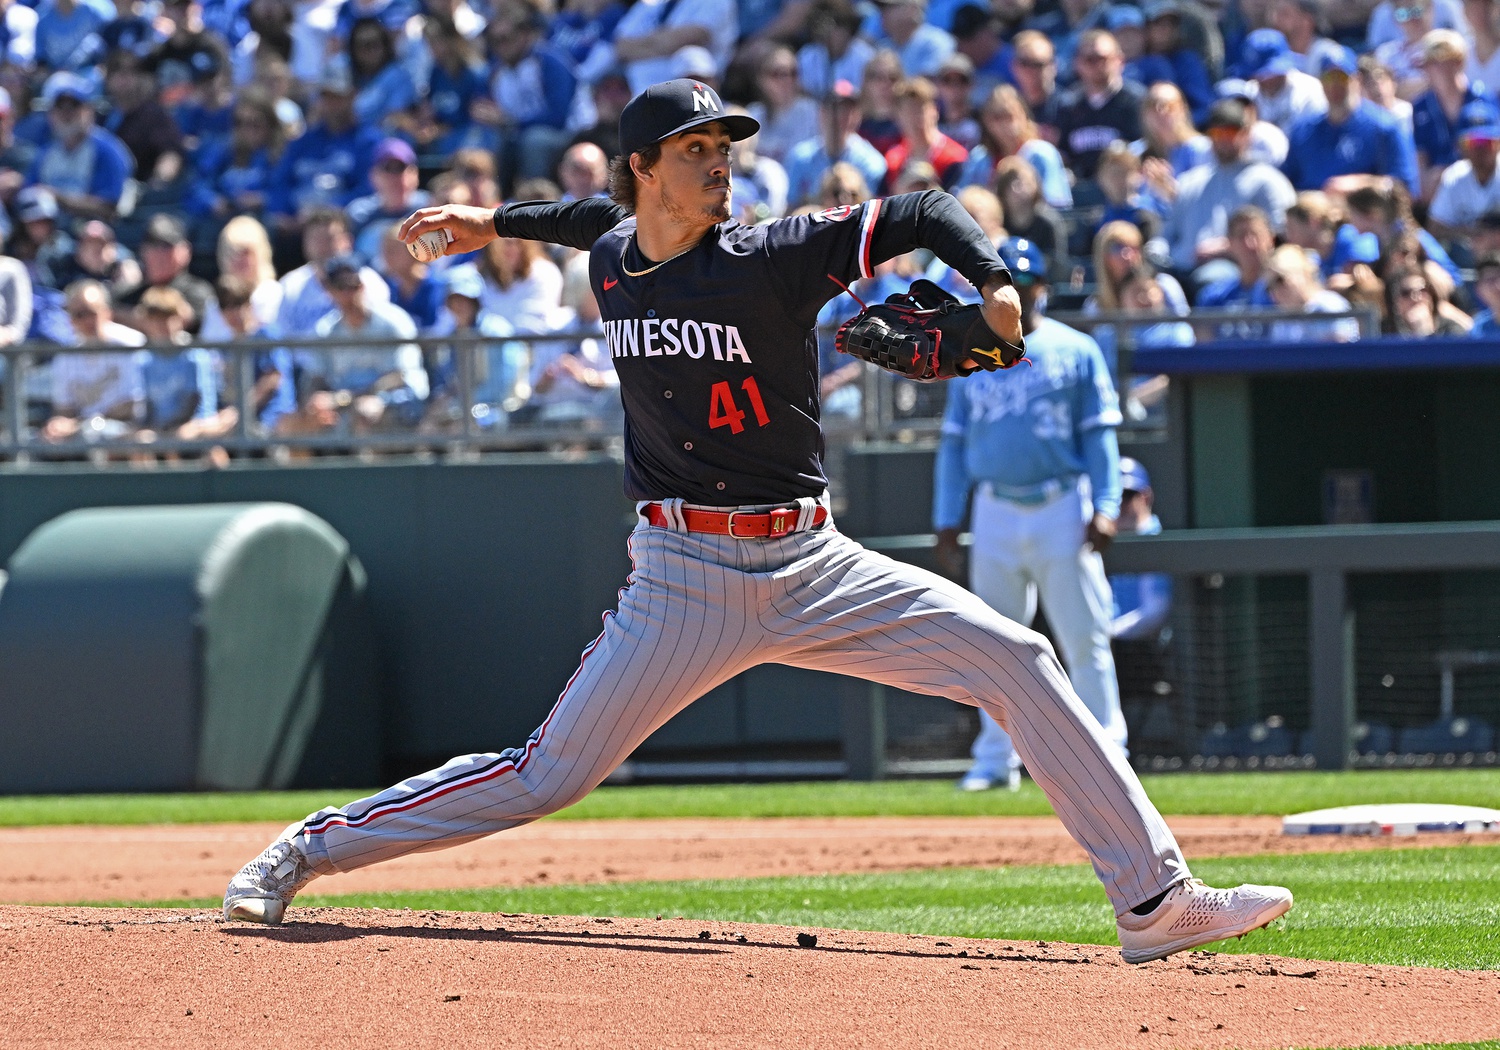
{"x": 729, "y": 525}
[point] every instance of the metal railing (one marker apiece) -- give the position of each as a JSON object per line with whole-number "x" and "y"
{"x": 891, "y": 408}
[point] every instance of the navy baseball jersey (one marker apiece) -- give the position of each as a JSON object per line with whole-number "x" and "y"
{"x": 716, "y": 349}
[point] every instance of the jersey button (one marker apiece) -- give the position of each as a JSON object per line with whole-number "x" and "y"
{"x": 666, "y": 393}
{"x": 688, "y": 445}
{"x": 721, "y": 486}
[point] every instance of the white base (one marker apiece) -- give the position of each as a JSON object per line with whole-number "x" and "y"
{"x": 1393, "y": 818}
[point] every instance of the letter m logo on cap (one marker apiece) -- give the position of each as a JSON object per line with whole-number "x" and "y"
{"x": 703, "y": 98}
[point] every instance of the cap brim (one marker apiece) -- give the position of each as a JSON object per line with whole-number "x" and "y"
{"x": 738, "y": 125}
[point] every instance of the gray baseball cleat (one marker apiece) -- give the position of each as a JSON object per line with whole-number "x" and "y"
{"x": 264, "y": 887}
{"x": 1194, "y": 914}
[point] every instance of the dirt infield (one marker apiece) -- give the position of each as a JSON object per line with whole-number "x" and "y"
{"x": 75, "y": 864}
{"x": 90, "y": 977}
{"x": 347, "y": 978}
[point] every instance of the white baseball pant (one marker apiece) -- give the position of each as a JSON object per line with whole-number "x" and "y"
{"x": 1021, "y": 550}
{"x": 699, "y": 609}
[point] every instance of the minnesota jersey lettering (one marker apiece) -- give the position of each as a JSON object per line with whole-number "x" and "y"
{"x": 669, "y": 336}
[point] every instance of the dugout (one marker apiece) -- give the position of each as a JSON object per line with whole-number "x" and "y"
{"x": 185, "y": 647}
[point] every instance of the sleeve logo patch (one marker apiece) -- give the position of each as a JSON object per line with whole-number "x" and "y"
{"x": 836, "y": 214}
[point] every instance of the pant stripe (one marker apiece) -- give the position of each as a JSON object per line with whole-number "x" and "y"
{"x": 436, "y": 791}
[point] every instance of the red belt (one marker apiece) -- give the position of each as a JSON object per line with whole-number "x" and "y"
{"x": 737, "y": 523}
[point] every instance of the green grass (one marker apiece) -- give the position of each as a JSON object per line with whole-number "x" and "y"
{"x": 1438, "y": 907}
{"x": 1182, "y": 793}
{"x": 1489, "y": 1044}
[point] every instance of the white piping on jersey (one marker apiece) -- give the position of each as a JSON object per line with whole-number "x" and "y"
{"x": 867, "y": 236}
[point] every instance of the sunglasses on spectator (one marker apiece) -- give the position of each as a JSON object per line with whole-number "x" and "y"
{"x": 82, "y": 313}
{"x": 1410, "y": 13}
{"x": 781, "y": 74}
{"x": 392, "y": 167}
{"x": 1035, "y": 63}
{"x": 1093, "y": 58}
{"x": 956, "y": 79}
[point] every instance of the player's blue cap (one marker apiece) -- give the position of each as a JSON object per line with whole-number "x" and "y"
{"x": 1133, "y": 476}
{"x": 1265, "y": 53}
{"x": 1026, "y": 262}
{"x": 670, "y": 108}
{"x": 1338, "y": 59}
{"x": 465, "y": 281}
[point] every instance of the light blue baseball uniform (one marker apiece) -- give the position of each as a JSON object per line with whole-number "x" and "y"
{"x": 1036, "y": 447}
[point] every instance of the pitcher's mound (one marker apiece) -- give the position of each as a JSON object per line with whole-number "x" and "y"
{"x": 334, "y": 977}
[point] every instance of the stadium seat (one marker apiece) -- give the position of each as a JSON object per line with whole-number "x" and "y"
{"x": 1448, "y": 736}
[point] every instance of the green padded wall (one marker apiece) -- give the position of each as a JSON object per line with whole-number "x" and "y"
{"x": 151, "y": 648}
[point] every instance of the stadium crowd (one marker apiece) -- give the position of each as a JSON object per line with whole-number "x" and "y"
{"x": 183, "y": 173}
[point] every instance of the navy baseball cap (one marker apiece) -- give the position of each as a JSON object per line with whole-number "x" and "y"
{"x": 1026, "y": 262}
{"x": 343, "y": 271}
{"x": 1133, "y": 476}
{"x": 670, "y": 108}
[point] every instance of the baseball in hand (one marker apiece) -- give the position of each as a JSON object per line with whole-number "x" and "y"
{"x": 431, "y": 245}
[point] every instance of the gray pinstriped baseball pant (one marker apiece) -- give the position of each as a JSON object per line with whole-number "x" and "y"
{"x": 699, "y": 609}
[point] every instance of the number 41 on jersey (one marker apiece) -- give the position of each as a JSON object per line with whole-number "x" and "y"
{"x": 723, "y": 411}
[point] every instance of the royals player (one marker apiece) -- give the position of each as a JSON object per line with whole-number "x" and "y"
{"x": 1036, "y": 449}
{"x": 736, "y": 560}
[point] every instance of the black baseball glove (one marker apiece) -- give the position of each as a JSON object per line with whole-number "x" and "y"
{"x": 926, "y": 334}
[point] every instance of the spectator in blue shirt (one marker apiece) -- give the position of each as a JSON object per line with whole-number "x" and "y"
{"x": 1251, "y": 242}
{"x": 65, "y": 34}
{"x": 1487, "y": 290}
{"x": 1451, "y": 102}
{"x": 441, "y": 123}
{"x": 1005, "y": 130}
{"x": 84, "y": 166}
{"x": 274, "y": 394}
{"x": 383, "y": 86}
{"x": 393, "y": 173}
{"x": 234, "y": 176}
{"x": 1353, "y": 137}
{"x": 806, "y": 162}
{"x": 531, "y": 94}
{"x": 181, "y": 384}
{"x": 836, "y": 51}
{"x": 392, "y": 14}
{"x": 1164, "y": 40}
{"x": 583, "y": 25}
{"x": 902, "y": 26}
{"x": 1128, "y": 24}
{"x": 330, "y": 163}
{"x": 413, "y": 285}
{"x": 206, "y": 116}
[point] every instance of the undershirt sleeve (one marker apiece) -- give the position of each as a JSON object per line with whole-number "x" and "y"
{"x": 577, "y": 224}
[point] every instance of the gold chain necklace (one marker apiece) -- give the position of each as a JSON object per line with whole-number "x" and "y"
{"x": 641, "y": 273}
